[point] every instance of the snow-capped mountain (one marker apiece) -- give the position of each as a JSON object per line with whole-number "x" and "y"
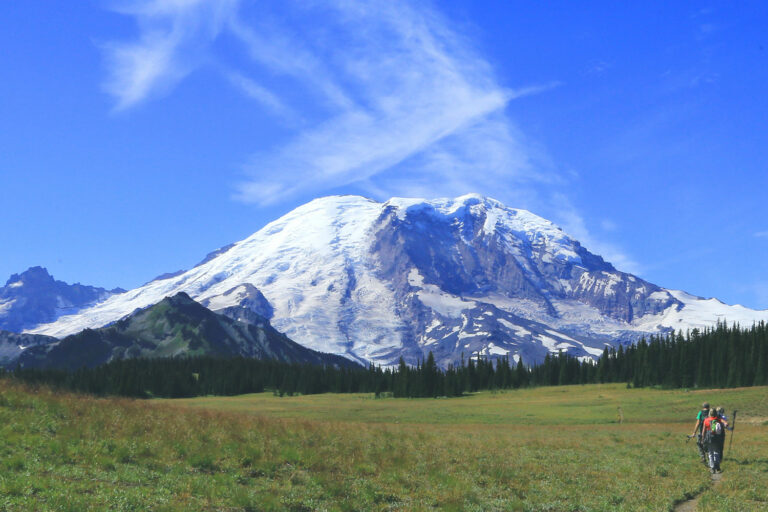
{"x": 376, "y": 281}
{"x": 34, "y": 297}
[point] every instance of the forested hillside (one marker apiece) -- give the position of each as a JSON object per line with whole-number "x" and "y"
{"x": 717, "y": 358}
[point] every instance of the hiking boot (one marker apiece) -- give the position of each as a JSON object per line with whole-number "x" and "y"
{"x": 713, "y": 470}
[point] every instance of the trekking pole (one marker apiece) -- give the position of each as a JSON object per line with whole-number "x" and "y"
{"x": 730, "y": 443}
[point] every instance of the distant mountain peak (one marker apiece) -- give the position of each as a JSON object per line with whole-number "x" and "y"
{"x": 34, "y": 297}
{"x": 456, "y": 276}
{"x": 181, "y": 298}
{"x": 35, "y": 274}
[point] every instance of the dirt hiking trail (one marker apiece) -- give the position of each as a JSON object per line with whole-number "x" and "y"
{"x": 692, "y": 504}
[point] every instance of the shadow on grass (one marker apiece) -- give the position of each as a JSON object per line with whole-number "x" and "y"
{"x": 747, "y": 462}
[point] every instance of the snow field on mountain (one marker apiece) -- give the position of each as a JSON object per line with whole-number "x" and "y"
{"x": 434, "y": 298}
{"x": 699, "y": 313}
{"x": 304, "y": 264}
{"x": 6, "y": 305}
{"x": 318, "y": 270}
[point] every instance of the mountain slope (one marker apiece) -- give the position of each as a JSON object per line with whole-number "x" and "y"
{"x": 175, "y": 326}
{"x": 12, "y": 344}
{"x": 376, "y": 281}
{"x": 34, "y": 297}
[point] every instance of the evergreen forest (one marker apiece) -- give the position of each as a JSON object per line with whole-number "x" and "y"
{"x": 721, "y": 357}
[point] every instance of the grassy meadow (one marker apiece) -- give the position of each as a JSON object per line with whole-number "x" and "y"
{"x": 573, "y": 448}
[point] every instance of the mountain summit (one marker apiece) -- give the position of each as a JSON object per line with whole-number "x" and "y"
{"x": 34, "y": 297}
{"x": 466, "y": 276}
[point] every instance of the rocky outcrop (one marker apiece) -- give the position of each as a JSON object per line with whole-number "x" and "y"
{"x": 464, "y": 256}
{"x": 12, "y": 344}
{"x": 34, "y": 297}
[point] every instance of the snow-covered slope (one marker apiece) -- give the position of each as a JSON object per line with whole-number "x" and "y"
{"x": 303, "y": 263}
{"x": 376, "y": 281}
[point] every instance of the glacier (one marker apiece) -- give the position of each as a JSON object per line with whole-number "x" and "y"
{"x": 376, "y": 281}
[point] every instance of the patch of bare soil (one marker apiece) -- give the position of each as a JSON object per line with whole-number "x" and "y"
{"x": 692, "y": 504}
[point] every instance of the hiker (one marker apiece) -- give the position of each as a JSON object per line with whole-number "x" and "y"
{"x": 724, "y": 418}
{"x": 714, "y": 439}
{"x": 703, "y": 415}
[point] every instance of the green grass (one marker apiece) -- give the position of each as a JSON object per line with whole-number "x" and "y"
{"x": 557, "y": 449}
{"x": 564, "y": 405}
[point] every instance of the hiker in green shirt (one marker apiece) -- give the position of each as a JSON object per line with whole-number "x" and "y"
{"x": 703, "y": 414}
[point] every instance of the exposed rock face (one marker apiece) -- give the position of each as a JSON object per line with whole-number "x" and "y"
{"x": 460, "y": 255}
{"x": 34, "y": 297}
{"x": 619, "y": 295}
{"x": 250, "y": 301}
{"x": 448, "y": 270}
{"x": 13, "y": 344}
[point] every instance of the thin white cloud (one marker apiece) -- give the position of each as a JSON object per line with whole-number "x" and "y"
{"x": 397, "y": 86}
{"x": 255, "y": 91}
{"x": 534, "y": 89}
{"x": 170, "y": 33}
{"x": 761, "y": 234}
{"x": 281, "y": 51}
{"x": 402, "y": 104}
{"x": 575, "y": 225}
{"x": 513, "y": 168}
{"x": 359, "y": 145}
{"x": 406, "y": 87}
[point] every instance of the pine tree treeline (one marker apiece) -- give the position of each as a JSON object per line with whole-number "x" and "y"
{"x": 179, "y": 377}
{"x": 203, "y": 375}
{"x": 719, "y": 357}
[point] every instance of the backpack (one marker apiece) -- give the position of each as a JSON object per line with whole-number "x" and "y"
{"x": 716, "y": 428}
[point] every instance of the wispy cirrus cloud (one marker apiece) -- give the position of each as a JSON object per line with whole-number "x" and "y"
{"x": 761, "y": 234}
{"x": 402, "y": 103}
{"x": 258, "y": 92}
{"x": 402, "y": 85}
{"x": 171, "y": 33}
{"x": 576, "y": 226}
{"x": 405, "y": 100}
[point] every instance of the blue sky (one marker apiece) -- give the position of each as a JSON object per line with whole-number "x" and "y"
{"x": 135, "y": 137}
